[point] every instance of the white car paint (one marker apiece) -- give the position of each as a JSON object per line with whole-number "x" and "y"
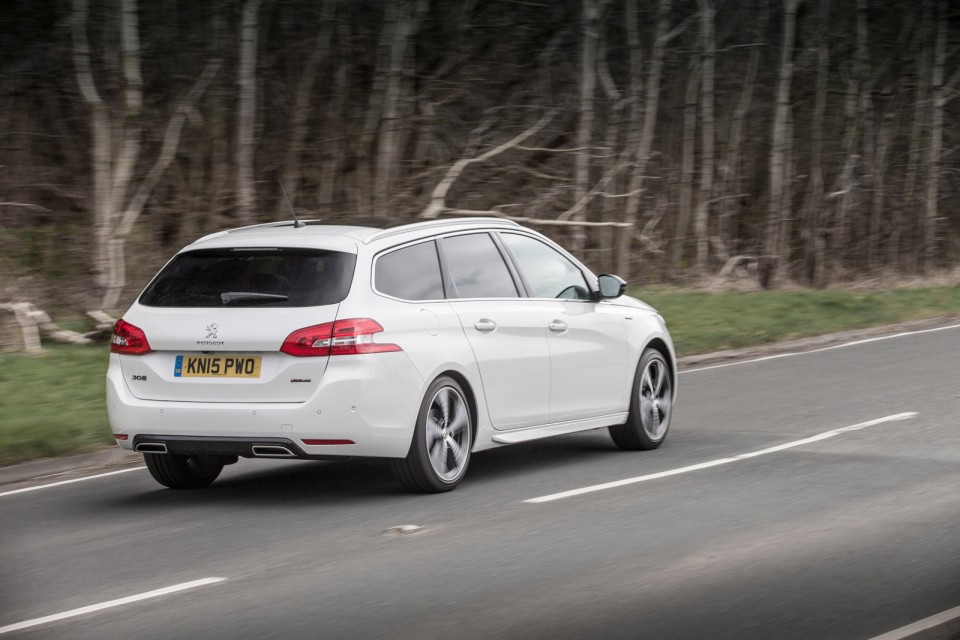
{"x": 532, "y": 367}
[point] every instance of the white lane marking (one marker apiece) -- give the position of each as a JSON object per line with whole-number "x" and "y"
{"x": 106, "y": 605}
{"x": 926, "y": 624}
{"x": 831, "y": 347}
{"x": 62, "y": 482}
{"x": 714, "y": 463}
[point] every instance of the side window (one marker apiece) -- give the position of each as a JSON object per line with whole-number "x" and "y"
{"x": 477, "y": 268}
{"x": 411, "y": 273}
{"x": 548, "y": 273}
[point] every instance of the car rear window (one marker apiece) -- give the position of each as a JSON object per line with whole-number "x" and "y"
{"x": 252, "y": 276}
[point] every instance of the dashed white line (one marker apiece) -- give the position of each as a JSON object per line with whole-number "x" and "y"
{"x": 941, "y": 622}
{"x": 830, "y": 348}
{"x": 714, "y": 463}
{"x": 26, "y": 624}
{"x": 62, "y": 482}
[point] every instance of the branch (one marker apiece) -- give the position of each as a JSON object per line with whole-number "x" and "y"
{"x": 81, "y": 54}
{"x": 543, "y": 221}
{"x": 677, "y": 30}
{"x": 439, "y": 196}
{"x": 25, "y": 205}
{"x": 171, "y": 141}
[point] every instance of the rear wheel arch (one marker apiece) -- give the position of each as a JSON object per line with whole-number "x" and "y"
{"x": 442, "y": 439}
{"x": 469, "y": 395}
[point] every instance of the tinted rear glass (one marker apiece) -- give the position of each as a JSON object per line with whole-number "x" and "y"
{"x": 260, "y": 276}
{"x": 411, "y": 273}
{"x": 477, "y": 268}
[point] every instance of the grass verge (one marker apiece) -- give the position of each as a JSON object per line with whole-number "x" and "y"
{"x": 53, "y": 404}
{"x": 703, "y": 322}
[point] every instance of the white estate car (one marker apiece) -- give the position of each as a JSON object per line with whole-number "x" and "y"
{"x": 421, "y": 343}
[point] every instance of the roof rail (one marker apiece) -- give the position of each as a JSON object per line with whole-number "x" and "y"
{"x": 447, "y": 222}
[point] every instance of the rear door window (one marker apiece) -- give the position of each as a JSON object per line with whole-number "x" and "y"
{"x": 410, "y": 273}
{"x": 477, "y": 268}
{"x": 252, "y": 276}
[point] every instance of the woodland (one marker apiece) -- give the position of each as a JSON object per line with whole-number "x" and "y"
{"x": 804, "y": 142}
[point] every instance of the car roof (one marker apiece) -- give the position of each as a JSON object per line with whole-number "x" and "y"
{"x": 340, "y": 237}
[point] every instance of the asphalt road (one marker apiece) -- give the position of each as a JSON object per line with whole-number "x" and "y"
{"x": 847, "y": 536}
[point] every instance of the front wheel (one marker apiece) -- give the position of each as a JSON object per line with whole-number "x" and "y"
{"x": 182, "y": 472}
{"x": 442, "y": 439}
{"x": 651, "y": 404}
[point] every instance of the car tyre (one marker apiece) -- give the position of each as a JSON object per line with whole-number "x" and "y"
{"x": 651, "y": 405}
{"x": 182, "y": 472}
{"x": 442, "y": 439}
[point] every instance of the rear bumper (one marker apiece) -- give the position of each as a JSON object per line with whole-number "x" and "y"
{"x": 370, "y": 400}
{"x": 220, "y": 447}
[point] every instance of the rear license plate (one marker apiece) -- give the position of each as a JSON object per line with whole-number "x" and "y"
{"x": 217, "y": 367}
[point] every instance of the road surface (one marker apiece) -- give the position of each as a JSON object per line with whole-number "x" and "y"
{"x": 808, "y": 496}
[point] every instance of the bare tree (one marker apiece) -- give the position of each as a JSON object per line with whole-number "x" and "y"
{"x": 246, "y": 111}
{"x": 816, "y": 242}
{"x": 661, "y": 37}
{"x": 404, "y": 17}
{"x": 688, "y": 159}
{"x": 708, "y": 136}
{"x": 302, "y": 104}
{"x": 117, "y": 204}
{"x": 730, "y": 173}
{"x": 778, "y": 205}
{"x": 940, "y": 92}
{"x": 588, "y": 84}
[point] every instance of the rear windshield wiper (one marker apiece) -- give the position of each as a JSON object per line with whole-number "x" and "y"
{"x": 228, "y": 297}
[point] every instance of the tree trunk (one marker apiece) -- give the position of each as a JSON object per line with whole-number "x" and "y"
{"x": 651, "y": 107}
{"x": 853, "y": 126}
{"x": 102, "y": 169}
{"x": 588, "y": 84}
{"x": 246, "y": 112}
{"x": 114, "y": 216}
{"x": 776, "y": 212}
{"x": 912, "y": 199}
{"x": 688, "y": 161}
{"x": 816, "y": 241}
{"x": 605, "y": 235}
{"x": 730, "y": 169}
{"x": 708, "y": 135}
{"x": 935, "y": 147}
{"x": 404, "y": 27}
{"x": 302, "y": 109}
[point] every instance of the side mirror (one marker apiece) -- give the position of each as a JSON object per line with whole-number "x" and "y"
{"x": 611, "y": 286}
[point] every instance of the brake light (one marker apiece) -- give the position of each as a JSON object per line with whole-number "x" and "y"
{"x": 340, "y": 338}
{"x": 129, "y": 339}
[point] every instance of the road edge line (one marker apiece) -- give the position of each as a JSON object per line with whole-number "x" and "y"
{"x": 71, "y": 481}
{"x": 156, "y": 593}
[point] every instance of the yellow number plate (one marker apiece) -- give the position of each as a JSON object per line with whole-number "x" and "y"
{"x": 217, "y": 367}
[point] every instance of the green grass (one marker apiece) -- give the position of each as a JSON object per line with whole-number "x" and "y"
{"x": 704, "y": 322}
{"x": 53, "y": 404}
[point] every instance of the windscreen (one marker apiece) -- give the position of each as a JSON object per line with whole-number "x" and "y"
{"x": 252, "y": 276}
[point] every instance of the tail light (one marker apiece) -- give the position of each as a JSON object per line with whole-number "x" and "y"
{"x": 129, "y": 339}
{"x": 340, "y": 338}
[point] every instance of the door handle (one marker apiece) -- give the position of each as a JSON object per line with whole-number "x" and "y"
{"x": 483, "y": 325}
{"x": 557, "y": 326}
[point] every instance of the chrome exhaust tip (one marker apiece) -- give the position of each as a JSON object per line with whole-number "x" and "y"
{"x": 272, "y": 451}
{"x": 150, "y": 447}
